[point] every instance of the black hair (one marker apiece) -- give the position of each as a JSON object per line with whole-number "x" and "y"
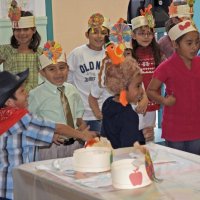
{"x": 88, "y": 31}
{"x": 155, "y": 49}
{"x": 35, "y": 42}
{"x": 171, "y": 22}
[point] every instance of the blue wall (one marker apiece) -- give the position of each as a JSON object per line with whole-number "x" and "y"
{"x": 197, "y": 14}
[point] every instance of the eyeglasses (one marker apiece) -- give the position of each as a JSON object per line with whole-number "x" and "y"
{"x": 143, "y": 34}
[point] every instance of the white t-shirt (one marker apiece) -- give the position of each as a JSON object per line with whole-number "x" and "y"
{"x": 100, "y": 93}
{"x": 84, "y": 65}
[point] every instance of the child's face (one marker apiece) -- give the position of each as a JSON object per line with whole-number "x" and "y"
{"x": 135, "y": 90}
{"x": 188, "y": 46}
{"x": 56, "y": 73}
{"x": 143, "y": 35}
{"x": 21, "y": 98}
{"x": 96, "y": 38}
{"x": 24, "y": 35}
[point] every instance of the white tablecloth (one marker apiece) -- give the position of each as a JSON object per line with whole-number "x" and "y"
{"x": 181, "y": 179}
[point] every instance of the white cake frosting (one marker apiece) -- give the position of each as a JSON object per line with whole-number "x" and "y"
{"x": 127, "y": 176}
{"x": 92, "y": 159}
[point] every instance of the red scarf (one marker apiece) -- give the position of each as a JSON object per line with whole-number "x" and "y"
{"x": 9, "y": 116}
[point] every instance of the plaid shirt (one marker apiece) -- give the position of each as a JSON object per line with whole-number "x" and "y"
{"x": 17, "y": 146}
{"x": 16, "y": 62}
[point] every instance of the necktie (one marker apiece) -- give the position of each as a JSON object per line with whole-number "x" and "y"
{"x": 66, "y": 107}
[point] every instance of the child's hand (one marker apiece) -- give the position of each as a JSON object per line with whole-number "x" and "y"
{"x": 142, "y": 105}
{"x": 88, "y": 135}
{"x": 148, "y": 133}
{"x": 169, "y": 100}
{"x": 56, "y": 139}
{"x": 142, "y": 148}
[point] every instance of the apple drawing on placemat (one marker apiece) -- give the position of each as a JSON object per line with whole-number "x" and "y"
{"x": 136, "y": 177}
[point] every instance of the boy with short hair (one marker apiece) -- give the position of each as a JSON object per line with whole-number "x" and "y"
{"x": 46, "y": 102}
{"x": 21, "y": 131}
{"x": 84, "y": 64}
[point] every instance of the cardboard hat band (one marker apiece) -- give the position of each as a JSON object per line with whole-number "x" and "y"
{"x": 181, "y": 29}
{"x": 138, "y": 22}
{"x": 45, "y": 61}
{"x": 182, "y": 11}
{"x": 105, "y": 24}
{"x": 24, "y": 22}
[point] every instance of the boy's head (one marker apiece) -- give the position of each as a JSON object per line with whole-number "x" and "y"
{"x": 125, "y": 76}
{"x": 53, "y": 64}
{"x": 98, "y": 27}
{"x": 12, "y": 93}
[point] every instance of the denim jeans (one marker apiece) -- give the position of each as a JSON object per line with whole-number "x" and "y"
{"x": 192, "y": 146}
{"x": 1, "y": 198}
{"x": 95, "y": 125}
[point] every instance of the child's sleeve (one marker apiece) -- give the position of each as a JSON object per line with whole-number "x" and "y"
{"x": 72, "y": 63}
{"x": 5, "y": 52}
{"x": 38, "y": 131}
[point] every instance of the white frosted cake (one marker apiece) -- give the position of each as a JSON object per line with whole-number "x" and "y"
{"x": 92, "y": 159}
{"x": 127, "y": 176}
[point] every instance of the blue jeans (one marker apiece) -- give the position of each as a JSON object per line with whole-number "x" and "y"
{"x": 192, "y": 146}
{"x": 95, "y": 125}
{"x": 2, "y": 198}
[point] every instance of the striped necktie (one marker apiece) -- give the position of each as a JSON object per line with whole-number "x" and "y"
{"x": 66, "y": 107}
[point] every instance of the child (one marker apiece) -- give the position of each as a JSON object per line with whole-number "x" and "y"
{"x": 21, "y": 131}
{"x": 120, "y": 33}
{"x": 178, "y": 11}
{"x": 84, "y": 64}
{"x": 45, "y": 101}
{"x": 181, "y": 75}
{"x": 23, "y": 51}
{"x": 148, "y": 56}
{"x": 120, "y": 122}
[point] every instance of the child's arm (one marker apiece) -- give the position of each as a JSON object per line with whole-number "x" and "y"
{"x": 152, "y": 92}
{"x": 142, "y": 104}
{"x": 148, "y": 133}
{"x": 95, "y": 107}
{"x": 81, "y": 124}
{"x": 67, "y": 131}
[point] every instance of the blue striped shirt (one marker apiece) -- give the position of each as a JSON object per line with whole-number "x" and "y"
{"x": 17, "y": 146}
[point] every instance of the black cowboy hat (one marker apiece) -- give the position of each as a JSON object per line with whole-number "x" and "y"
{"x": 9, "y": 83}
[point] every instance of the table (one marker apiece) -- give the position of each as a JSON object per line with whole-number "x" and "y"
{"x": 181, "y": 180}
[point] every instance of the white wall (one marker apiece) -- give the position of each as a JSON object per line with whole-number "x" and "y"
{"x": 70, "y": 18}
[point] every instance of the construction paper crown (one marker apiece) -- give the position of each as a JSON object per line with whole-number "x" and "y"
{"x": 146, "y": 19}
{"x": 120, "y": 33}
{"x": 97, "y": 20}
{"x": 180, "y": 10}
{"x": 180, "y": 29}
{"x": 14, "y": 14}
{"x": 52, "y": 53}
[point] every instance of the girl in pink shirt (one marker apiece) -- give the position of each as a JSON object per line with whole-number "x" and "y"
{"x": 181, "y": 75}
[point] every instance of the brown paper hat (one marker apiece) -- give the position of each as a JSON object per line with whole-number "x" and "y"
{"x": 52, "y": 54}
{"x": 24, "y": 22}
{"x": 180, "y": 11}
{"x": 180, "y": 29}
{"x": 98, "y": 20}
